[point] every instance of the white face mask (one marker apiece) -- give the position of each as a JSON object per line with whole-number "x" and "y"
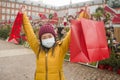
{"x": 48, "y": 43}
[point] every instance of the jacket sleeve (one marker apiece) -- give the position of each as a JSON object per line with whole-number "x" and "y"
{"x": 31, "y": 37}
{"x": 65, "y": 43}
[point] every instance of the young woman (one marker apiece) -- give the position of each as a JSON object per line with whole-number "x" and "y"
{"x": 49, "y": 53}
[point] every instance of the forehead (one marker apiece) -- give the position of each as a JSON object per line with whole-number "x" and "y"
{"x": 47, "y": 34}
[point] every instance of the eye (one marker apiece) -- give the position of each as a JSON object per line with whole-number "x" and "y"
{"x": 44, "y": 37}
{"x": 50, "y": 36}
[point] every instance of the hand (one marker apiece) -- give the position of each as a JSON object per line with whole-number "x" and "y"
{"x": 22, "y": 9}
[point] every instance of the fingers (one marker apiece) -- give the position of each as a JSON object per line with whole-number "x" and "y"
{"x": 22, "y": 8}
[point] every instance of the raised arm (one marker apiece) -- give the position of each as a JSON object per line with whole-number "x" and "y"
{"x": 31, "y": 37}
{"x": 65, "y": 43}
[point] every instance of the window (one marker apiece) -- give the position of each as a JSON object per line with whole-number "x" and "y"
{"x": 78, "y": 9}
{"x": 8, "y": 17}
{"x": 12, "y": 11}
{"x": 51, "y": 11}
{"x": 37, "y": 9}
{"x": 41, "y": 10}
{"x": 3, "y": 4}
{"x": 33, "y": 13}
{"x": 34, "y": 8}
{"x": 47, "y": 10}
{"x": 3, "y": 17}
{"x": 0, "y": 3}
{"x": 8, "y": 11}
{"x": 36, "y": 14}
{"x": 3, "y": 10}
{"x": 12, "y": 17}
{"x": 13, "y": 5}
{"x": 8, "y": 4}
{"x": 29, "y": 13}
{"x": 16, "y": 11}
{"x": 17, "y": 5}
{"x": 29, "y": 7}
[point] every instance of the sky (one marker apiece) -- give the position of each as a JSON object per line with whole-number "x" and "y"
{"x": 58, "y": 3}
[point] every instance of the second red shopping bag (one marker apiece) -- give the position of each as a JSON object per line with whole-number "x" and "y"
{"x": 89, "y": 40}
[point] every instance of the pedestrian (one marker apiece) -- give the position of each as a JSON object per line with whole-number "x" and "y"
{"x": 49, "y": 53}
{"x": 116, "y": 44}
{"x": 59, "y": 32}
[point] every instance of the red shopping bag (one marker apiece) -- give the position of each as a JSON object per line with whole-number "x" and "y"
{"x": 88, "y": 41}
{"x": 15, "y": 32}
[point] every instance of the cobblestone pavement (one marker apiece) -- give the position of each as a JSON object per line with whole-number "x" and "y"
{"x": 18, "y": 63}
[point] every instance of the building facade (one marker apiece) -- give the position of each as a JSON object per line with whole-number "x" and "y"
{"x": 9, "y": 10}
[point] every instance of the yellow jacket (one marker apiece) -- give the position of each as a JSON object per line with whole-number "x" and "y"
{"x": 84, "y": 14}
{"x": 48, "y": 67}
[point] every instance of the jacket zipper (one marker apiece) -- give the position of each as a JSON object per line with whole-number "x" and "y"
{"x": 46, "y": 66}
{"x": 60, "y": 75}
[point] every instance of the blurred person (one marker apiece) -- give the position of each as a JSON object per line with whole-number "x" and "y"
{"x": 115, "y": 44}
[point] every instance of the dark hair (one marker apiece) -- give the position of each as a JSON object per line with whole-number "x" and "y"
{"x": 114, "y": 38}
{"x": 45, "y": 49}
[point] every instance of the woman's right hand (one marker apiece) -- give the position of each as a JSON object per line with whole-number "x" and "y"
{"x": 22, "y": 9}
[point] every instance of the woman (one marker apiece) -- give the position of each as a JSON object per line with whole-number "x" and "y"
{"x": 49, "y": 53}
